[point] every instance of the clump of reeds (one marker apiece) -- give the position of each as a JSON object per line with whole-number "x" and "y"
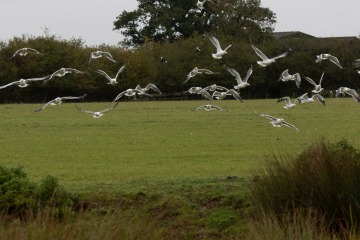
{"x": 323, "y": 179}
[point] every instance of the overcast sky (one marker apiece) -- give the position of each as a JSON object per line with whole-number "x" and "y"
{"x": 92, "y": 20}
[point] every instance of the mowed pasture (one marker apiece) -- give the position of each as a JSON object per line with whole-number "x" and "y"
{"x": 140, "y": 144}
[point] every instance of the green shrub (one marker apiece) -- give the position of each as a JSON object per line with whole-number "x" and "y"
{"x": 18, "y": 195}
{"x": 50, "y": 194}
{"x": 16, "y": 191}
{"x": 325, "y": 178}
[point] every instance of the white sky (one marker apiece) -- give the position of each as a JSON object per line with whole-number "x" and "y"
{"x": 92, "y": 20}
{"x": 320, "y": 18}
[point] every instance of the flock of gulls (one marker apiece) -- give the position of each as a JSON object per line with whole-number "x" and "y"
{"x": 211, "y": 92}
{"x": 138, "y": 90}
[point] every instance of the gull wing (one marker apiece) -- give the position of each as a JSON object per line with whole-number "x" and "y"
{"x": 284, "y": 74}
{"x": 9, "y": 84}
{"x": 109, "y": 56}
{"x": 339, "y": 91}
{"x": 281, "y": 55}
{"x": 259, "y": 53}
{"x": 16, "y": 53}
{"x": 319, "y": 98}
{"x": 37, "y": 79}
{"x": 302, "y": 97}
{"x": 216, "y": 43}
{"x": 206, "y": 71}
{"x": 236, "y": 74}
{"x": 103, "y": 73}
{"x": 235, "y": 94}
{"x": 120, "y": 70}
{"x": 195, "y": 90}
{"x": 267, "y": 116}
{"x": 297, "y": 79}
{"x": 119, "y": 96}
{"x": 248, "y": 74}
{"x": 153, "y": 87}
{"x": 70, "y": 97}
{"x": 322, "y": 75}
{"x": 205, "y": 94}
{"x": 289, "y": 125}
{"x": 73, "y": 70}
{"x": 354, "y": 94}
{"x": 44, "y": 106}
{"x": 286, "y": 99}
{"x": 110, "y": 108}
{"x": 335, "y": 60}
{"x": 310, "y": 81}
{"x": 216, "y": 88}
{"x": 33, "y": 50}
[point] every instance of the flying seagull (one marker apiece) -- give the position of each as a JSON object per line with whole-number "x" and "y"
{"x": 219, "y": 51}
{"x": 215, "y": 87}
{"x": 318, "y": 88}
{"x": 221, "y": 95}
{"x": 57, "y": 101}
{"x": 208, "y": 107}
{"x": 288, "y": 103}
{"x": 131, "y": 93}
{"x": 23, "y": 82}
{"x": 277, "y": 122}
{"x": 24, "y": 51}
{"x": 285, "y": 76}
{"x": 198, "y": 71}
{"x": 99, "y": 54}
{"x": 143, "y": 91}
{"x": 349, "y": 91}
{"x": 265, "y": 60}
{"x": 97, "y": 114}
{"x": 201, "y": 91}
{"x": 63, "y": 71}
{"x": 240, "y": 83}
{"x": 112, "y": 81}
{"x": 325, "y": 56}
{"x": 305, "y": 99}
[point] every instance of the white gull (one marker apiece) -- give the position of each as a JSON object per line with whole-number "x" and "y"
{"x": 349, "y": 91}
{"x": 112, "y": 81}
{"x": 196, "y": 71}
{"x": 318, "y": 88}
{"x": 57, "y": 101}
{"x": 285, "y": 76}
{"x": 277, "y": 122}
{"x": 240, "y": 83}
{"x": 265, "y": 60}
{"x": 219, "y": 51}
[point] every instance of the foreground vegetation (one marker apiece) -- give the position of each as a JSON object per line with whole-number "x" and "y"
{"x": 312, "y": 195}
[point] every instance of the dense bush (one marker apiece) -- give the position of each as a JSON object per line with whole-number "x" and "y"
{"x": 325, "y": 178}
{"x": 18, "y": 195}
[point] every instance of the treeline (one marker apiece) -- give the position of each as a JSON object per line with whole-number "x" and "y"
{"x": 143, "y": 65}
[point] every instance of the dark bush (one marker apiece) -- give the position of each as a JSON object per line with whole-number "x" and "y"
{"x": 18, "y": 195}
{"x": 16, "y": 191}
{"x": 325, "y": 178}
{"x": 50, "y": 194}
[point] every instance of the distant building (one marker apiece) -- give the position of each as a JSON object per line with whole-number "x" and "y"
{"x": 291, "y": 35}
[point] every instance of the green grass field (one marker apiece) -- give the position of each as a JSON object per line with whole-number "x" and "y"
{"x": 140, "y": 144}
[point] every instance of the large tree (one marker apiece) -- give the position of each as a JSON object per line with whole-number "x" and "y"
{"x": 169, "y": 20}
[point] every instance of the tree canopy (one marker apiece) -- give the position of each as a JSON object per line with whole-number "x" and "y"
{"x": 170, "y": 20}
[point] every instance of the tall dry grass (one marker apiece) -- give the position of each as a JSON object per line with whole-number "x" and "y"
{"x": 324, "y": 179}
